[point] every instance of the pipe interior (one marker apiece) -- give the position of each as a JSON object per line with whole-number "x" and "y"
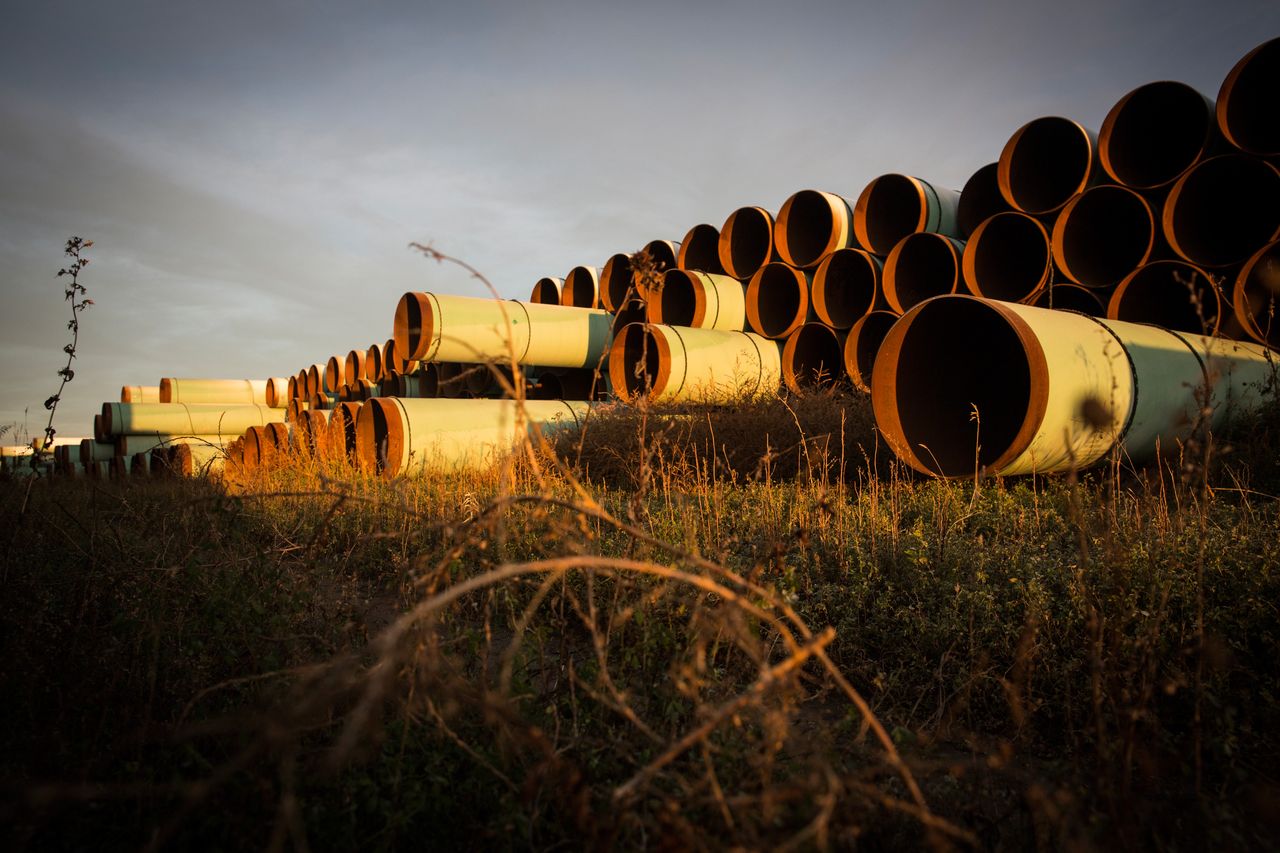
{"x": 640, "y": 355}
{"x": 548, "y": 387}
{"x": 779, "y": 299}
{"x": 1048, "y": 164}
{"x": 1261, "y": 292}
{"x": 870, "y": 335}
{"x": 1010, "y": 257}
{"x": 750, "y": 238}
{"x": 848, "y": 282}
{"x": 925, "y": 266}
{"x": 817, "y": 359}
{"x": 1071, "y": 297}
{"x": 1106, "y": 236}
{"x": 700, "y": 249}
{"x": 677, "y": 302}
{"x": 1161, "y": 294}
{"x": 1251, "y": 115}
{"x": 615, "y": 281}
{"x": 408, "y": 330}
{"x": 810, "y": 224}
{"x": 893, "y": 211}
{"x": 580, "y": 288}
{"x": 943, "y": 376}
{"x": 372, "y": 443}
{"x": 980, "y": 199}
{"x": 662, "y": 254}
{"x": 1226, "y": 210}
{"x": 1157, "y": 133}
{"x": 634, "y": 310}
{"x": 545, "y": 292}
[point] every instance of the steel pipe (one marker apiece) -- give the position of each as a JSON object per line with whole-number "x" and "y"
{"x": 353, "y": 367}
{"x": 746, "y": 242}
{"x": 1063, "y": 296}
{"x": 1172, "y": 294}
{"x": 581, "y": 288}
{"x": 980, "y": 199}
{"x": 140, "y": 394}
{"x": 431, "y": 327}
{"x": 1102, "y": 235}
{"x": 922, "y": 265}
{"x": 663, "y": 254}
{"x": 1246, "y": 110}
{"x": 95, "y": 451}
{"x": 700, "y": 250}
{"x": 1045, "y": 163}
{"x": 1155, "y": 133}
{"x": 863, "y": 344}
{"x": 277, "y": 394}
{"x": 184, "y": 418}
{"x": 1255, "y": 294}
{"x": 342, "y": 431}
{"x": 548, "y": 290}
{"x": 373, "y": 368}
{"x": 964, "y": 385}
{"x": 893, "y": 206}
{"x": 700, "y": 300}
{"x": 395, "y": 436}
{"x": 128, "y": 445}
{"x": 666, "y": 363}
{"x": 616, "y": 282}
{"x": 778, "y": 300}
{"x": 1008, "y": 257}
{"x": 567, "y": 383}
{"x": 222, "y": 391}
{"x": 811, "y": 225}
{"x": 846, "y": 287}
{"x": 1223, "y": 210}
{"x": 813, "y": 358}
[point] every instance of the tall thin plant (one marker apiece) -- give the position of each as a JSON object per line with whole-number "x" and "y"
{"x": 74, "y": 293}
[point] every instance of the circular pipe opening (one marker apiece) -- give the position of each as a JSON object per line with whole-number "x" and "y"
{"x": 980, "y": 199}
{"x": 390, "y": 362}
{"x": 547, "y": 290}
{"x": 677, "y": 304}
{"x": 1257, "y": 293}
{"x": 639, "y": 362}
{"x": 373, "y": 363}
{"x": 412, "y": 329}
{"x": 777, "y": 300}
{"x": 1008, "y": 258}
{"x": 1155, "y": 133}
{"x": 663, "y": 253}
{"x": 890, "y": 208}
{"x": 166, "y": 390}
{"x": 333, "y": 371}
{"x": 863, "y": 344}
{"x": 353, "y": 369}
{"x": 1247, "y": 111}
{"x": 1171, "y": 294}
{"x": 635, "y": 310}
{"x": 951, "y": 404}
{"x": 813, "y": 357}
{"x": 581, "y": 288}
{"x": 1223, "y": 210}
{"x": 922, "y": 265}
{"x": 845, "y": 287}
{"x": 1045, "y": 163}
{"x": 700, "y": 250}
{"x": 1071, "y": 297}
{"x": 806, "y": 228}
{"x": 1102, "y": 235}
{"x": 373, "y": 437}
{"x": 616, "y": 281}
{"x": 746, "y": 241}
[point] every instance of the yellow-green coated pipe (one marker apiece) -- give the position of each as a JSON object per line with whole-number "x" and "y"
{"x": 277, "y": 394}
{"x": 94, "y": 451}
{"x": 437, "y": 327}
{"x": 699, "y": 300}
{"x": 140, "y": 394}
{"x": 963, "y": 384}
{"x": 705, "y": 365}
{"x": 224, "y": 391}
{"x": 185, "y": 418}
{"x": 396, "y": 436}
{"x": 893, "y": 206}
{"x": 128, "y": 445}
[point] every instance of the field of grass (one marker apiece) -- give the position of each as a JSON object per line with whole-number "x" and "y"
{"x": 692, "y": 628}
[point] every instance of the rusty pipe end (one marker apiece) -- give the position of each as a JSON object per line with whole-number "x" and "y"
{"x": 746, "y": 242}
{"x": 700, "y": 250}
{"x": 413, "y": 327}
{"x": 1008, "y": 257}
{"x": 1045, "y": 163}
{"x": 777, "y": 300}
{"x": 639, "y": 362}
{"x": 862, "y": 345}
{"x": 813, "y": 358}
{"x": 380, "y": 437}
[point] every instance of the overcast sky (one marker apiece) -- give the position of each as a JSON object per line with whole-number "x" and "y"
{"x": 253, "y": 172}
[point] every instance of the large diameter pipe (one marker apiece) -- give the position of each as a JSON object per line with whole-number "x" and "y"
{"x": 778, "y": 300}
{"x": 128, "y": 445}
{"x": 342, "y": 431}
{"x": 315, "y": 380}
{"x": 813, "y": 358}
{"x": 1246, "y": 110}
{"x": 1223, "y": 210}
{"x": 893, "y": 206}
{"x": 581, "y": 288}
{"x": 1155, "y": 133}
{"x": 395, "y": 436}
{"x": 700, "y": 300}
{"x": 140, "y": 394}
{"x": 921, "y": 266}
{"x": 616, "y": 282}
{"x": 548, "y": 290}
{"x": 432, "y": 327}
{"x": 964, "y": 385}
{"x": 1064, "y": 296}
{"x": 334, "y": 370}
{"x": 746, "y": 242}
{"x": 811, "y": 225}
{"x": 1256, "y": 295}
{"x": 662, "y": 254}
{"x": 667, "y": 363}
{"x": 1172, "y": 294}
{"x": 846, "y": 287}
{"x": 200, "y": 391}
{"x": 1102, "y": 235}
{"x": 277, "y": 394}
{"x": 1008, "y": 257}
{"x": 94, "y": 451}
{"x": 1046, "y": 162}
{"x": 980, "y": 199}
{"x": 863, "y": 345}
{"x": 185, "y": 418}
{"x": 566, "y": 383}
{"x": 700, "y": 250}
{"x": 354, "y": 367}
{"x": 194, "y": 460}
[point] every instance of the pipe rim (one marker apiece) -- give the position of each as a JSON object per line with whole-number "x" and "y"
{"x": 625, "y": 372}
{"x": 413, "y": 329}
{"x": 1240, "y": 292}
{"x": 866, "y": 219}
{"x": 733, "y": 244}
{"x": 889, "y": 275}
{"x": 1175, "y": 208}
{"x": 833, "y": 311}
{"x": 1059, "y": 196}
{"x": 871, "y": 327}
{"x": 1135, "y": 100}
{"x": 581, "y": 288}
{"x": 1145, "y": 277}
{"x": 1229, "y": 101}
{"x": 700, "y": 249}
{"x": 1060, "y": 237}
{"x": 804, "y": 377}
{"x": 828, "y": 207}
{"x": 680, "y": 290}
{"x": 971, "y": 264}
{"x": 980, "y": 199}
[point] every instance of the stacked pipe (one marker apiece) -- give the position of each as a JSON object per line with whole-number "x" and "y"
{"x": 1161, "y": 217}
